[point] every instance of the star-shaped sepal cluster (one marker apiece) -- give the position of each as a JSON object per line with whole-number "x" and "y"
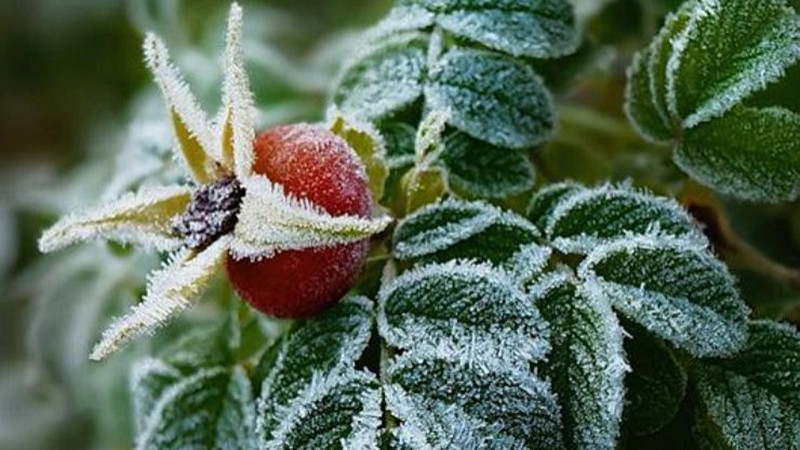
{"x": 226, "y": 211}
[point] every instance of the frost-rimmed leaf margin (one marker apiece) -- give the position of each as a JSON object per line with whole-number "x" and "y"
{"x": 672, "y": 287}
{"x": 582, "y": 220}
{"x": 384, "y": 76}
{"x": 486, "y": 403}
{"x": 587, "y": 365}
{"x": 751, "y": 400}
{"x": 476, "y": 169}
{"x": 491, "y": 97}
{"x": 458, "y": 229}
{"x": 521, "y": 28}
{"x": 459, "y": 303}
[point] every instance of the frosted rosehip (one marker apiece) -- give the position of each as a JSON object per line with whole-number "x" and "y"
{"x": 314, "y": 164}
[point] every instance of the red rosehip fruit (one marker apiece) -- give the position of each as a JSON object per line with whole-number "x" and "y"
{"x": 311, "y": 163}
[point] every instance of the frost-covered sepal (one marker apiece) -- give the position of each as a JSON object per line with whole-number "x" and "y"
{"x": 584, "y": 220}
{"x": 190, "y": 124}
{"x": 674, "y": 288}
{"x": 383, "y": 77}
{"x": 752, "y": 400}
{"x": 143, "y": 218}
{"x": 208, "y": 408}
{"x": 491, "y": 97}
{"x": 464, "y": 397}
{"x": 538, "y": 29}
{"x": 237, "y": 117}
{"x": 170, "y": 291}
{"x": 462, "y": 304}
{"x": 271, "y": 220}
{"x": 587, "y": 365}
{"x": 458, "y": 229}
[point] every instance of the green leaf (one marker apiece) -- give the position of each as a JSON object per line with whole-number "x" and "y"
{"x": 422, "y": 186}
{"x": 211, "y": 408}
{"x": 491, "y": 97}
{"x": 456, "y": 229}
{"x": 149, "y": 379}
{"x": 729, "y": 50}
{"x": 398, "y": 138}
{"x": 465, "y": 398}
{"x": 674, "y": 288}
{"x": 461, "y": 304}
{"x": 587, "y": 364}
{"x": 383, "y": 78}
{"x": 547, "y": 199}
{"x": 592, "y": 217}
{"x": 334, "y": 412}
{"x": 537, "y": 29}
{"x": 750, "y": 153}
{"x": 366, "y": 141}
{"x": 327, "y": 344}
{"x": 752, "y": 400}
{"x": 645, "y": 93}
{"x": 655, "y": 385}
{"x": 476, "y": 169}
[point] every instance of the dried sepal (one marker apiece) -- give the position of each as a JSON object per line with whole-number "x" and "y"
{"x": 271, "y": 220}
{"x": 170, "y": 291}
{"x": 237, "y": 116}
{"x": 189, "y": 122}
{"x": 142, "y": 218}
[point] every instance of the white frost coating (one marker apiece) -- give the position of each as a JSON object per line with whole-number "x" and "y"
{"x": 170, "y": 291}
{"x": 493, "y": 315}
{"x": 429, "y": 134}
{"x": 270, "y": 220}
{"x": 527, "y": 263}
{"x": 707, "y": 322}
{"x": 183, "y": 104}
{"x": 237, "y": 115}
{"x": 447, "y": 397}
{"x": 364, "y": 431}
{"x": 652, "y": 211}
{"x": 171, "y": 395}
{"x": 430, "y": 241}
{"x": 400, "y": 19}
{"x": 142, "y": 218}
{"x": 143, "y": 398}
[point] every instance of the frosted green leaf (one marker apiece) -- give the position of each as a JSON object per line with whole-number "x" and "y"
{"x": 547, "y": 199}
{"x": 327, "y": 344}
{"x": 729, "y": 49}
{"x": 208, "y": 409}
{"x": 402, "y": 18}
{"x": 366, "y": 141}
{"x": 527, "y": 263}
{"x": 655, "y": 385}
{"x": 383, "y": 77}
{"x": 640, "y": 104}
{"x": 749, "y": 153}
{"x": 587, "y": 365}
{"x": 399, "y": 140}
{"x": 464, "y": 398}
{"x": 752, "y": 401}
{"x": 149, "y": 379}
{"x": 461, "y": 304}
{"x": 477, "y": 169}
{"x": 143, "y": 218}
{"x": 336, "y": 412}
{"x": 609, "y": 213}
{"x": 533, "y": 28}
{"x": 674, "y": 288}
{"x": 645, "y": 93}
{"x": 491, "y": 97}
{"x": 457, "y": 229}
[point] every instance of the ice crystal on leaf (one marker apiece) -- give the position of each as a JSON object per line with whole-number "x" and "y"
{"x": 267, "y": 222}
